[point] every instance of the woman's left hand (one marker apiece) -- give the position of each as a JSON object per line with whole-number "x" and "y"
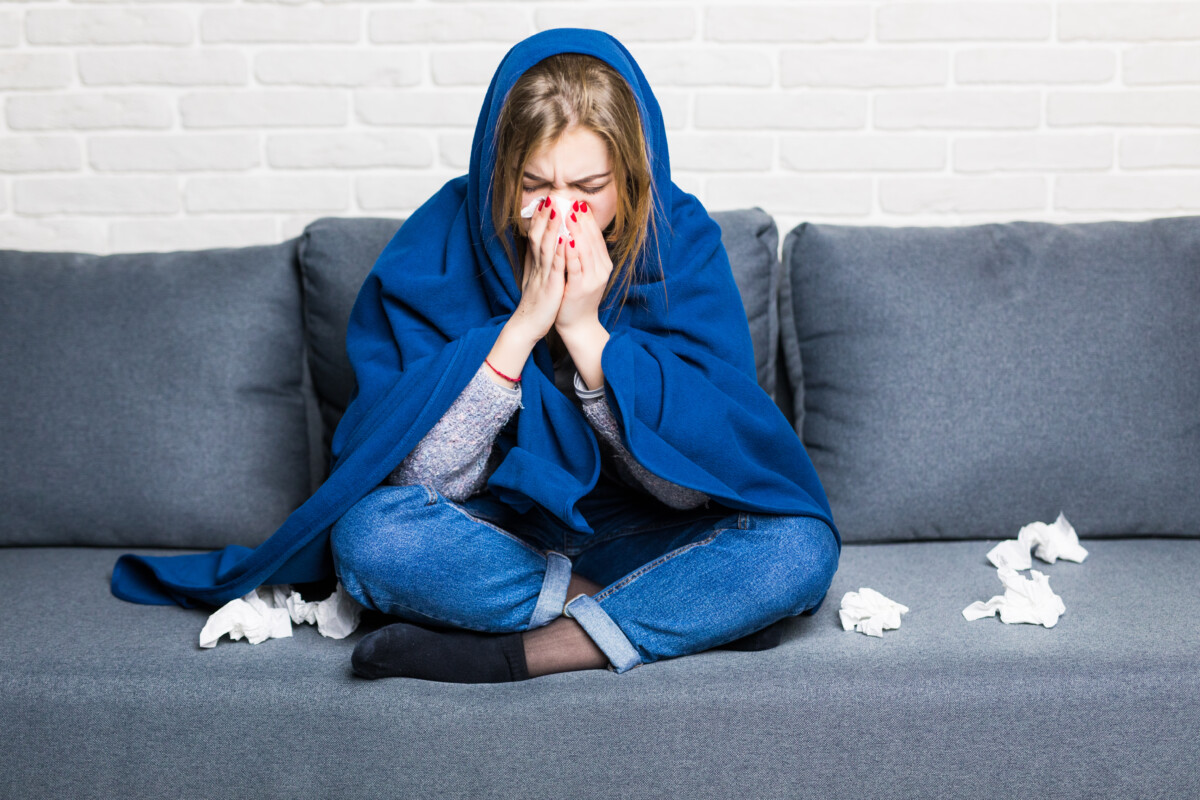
{"x": 588, "y": 269}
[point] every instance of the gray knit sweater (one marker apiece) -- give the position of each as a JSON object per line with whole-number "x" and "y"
{"x": 458, "y": 455}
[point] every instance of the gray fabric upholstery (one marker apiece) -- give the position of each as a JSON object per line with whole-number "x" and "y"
{"x": 751, "y": 240}
{"x": 336, "y": 254}
{"x": 158, "y": 400}
{"x": 151, "y": 399}
{"x": 102, "y": 698}
{"x": 960, "y": 382}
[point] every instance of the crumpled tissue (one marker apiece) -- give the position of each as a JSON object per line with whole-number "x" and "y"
{"x": 1024, "y": 600}
{"x": 269, "y": 611}
{"x": 870, "y": 612}
{"x": 1051, "y": 542}
{"x": 527, "y": 213}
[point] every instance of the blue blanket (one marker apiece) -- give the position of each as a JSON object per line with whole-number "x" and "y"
{"x": 678, "y": 367}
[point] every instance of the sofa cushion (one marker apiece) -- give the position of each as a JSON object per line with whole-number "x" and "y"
{"x": 751, "y": 240}
{"x": 104, "y": 698}
{"x": 151, "y": 399}
{"x": 335, "y": 256}
{"x": 960, "y": 382}
{"x": 337, "y": 253}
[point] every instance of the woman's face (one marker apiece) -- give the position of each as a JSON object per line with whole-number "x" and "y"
{"x": 576, "y": 167}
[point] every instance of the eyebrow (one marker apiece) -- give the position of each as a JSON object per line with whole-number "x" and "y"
{"x": 531, "y": 176}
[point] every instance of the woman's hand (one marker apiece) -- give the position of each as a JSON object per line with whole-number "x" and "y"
{"x": 588, "y": 267}
{"x": 543, "y": 277}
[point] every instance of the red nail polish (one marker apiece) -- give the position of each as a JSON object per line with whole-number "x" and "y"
{"x": 552, "y": 213}
{"x": 573, "y": 218}
{"x": 572, "y": 243}
{"x": 575, "y": 206}
{"x": 540, "y": 204}
{"x": 560, "y": 240}
{"x": 583, "y": 206}
{"x": 548, "y": 201}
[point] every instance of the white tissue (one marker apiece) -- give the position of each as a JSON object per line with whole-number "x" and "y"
{"x": 527, "y": 213}
{"x": 269, "y": 611}
{"x": 1052, "y": 542}
{"x": 1024, "y": 600}
{"x": 870, "y": 612}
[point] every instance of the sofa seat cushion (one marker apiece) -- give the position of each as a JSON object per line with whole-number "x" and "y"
{"x": 103, "y": 698}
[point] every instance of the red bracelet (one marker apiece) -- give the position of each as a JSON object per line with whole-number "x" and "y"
{"x": 501, "y": 374}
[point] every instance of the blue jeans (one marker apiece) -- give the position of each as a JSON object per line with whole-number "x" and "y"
{"x": 676, "y": 582}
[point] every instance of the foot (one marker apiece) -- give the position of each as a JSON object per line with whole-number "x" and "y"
{"x": 764, "y": 639}
{"x": 404, "y": 650}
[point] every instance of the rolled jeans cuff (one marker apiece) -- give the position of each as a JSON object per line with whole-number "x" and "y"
{"x": 607, "y": 635}
{"x": 553, "y": 596}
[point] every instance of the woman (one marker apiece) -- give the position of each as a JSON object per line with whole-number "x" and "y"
{"x": 493, "y": 594}
{"x": 557, "y": 455}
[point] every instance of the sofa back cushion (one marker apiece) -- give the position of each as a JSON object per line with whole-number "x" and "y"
{"x": 151, "y": 399}
{"x": 961, "y": 382}
{"x": 751, "y": 240}
{"x": 336, "y": 254}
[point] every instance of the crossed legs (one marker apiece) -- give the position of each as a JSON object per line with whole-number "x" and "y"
{"x": 400, "y": 548}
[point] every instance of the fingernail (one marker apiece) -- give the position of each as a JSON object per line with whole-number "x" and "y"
{"x": 540, "y": 204}
{"x": 573, "y": 218}
{"x": 552, "y": 213}
{"x": 560, "y": 240}
{"x": 547, "y": 201}
{"x": 575, "y": 206}
{"x": 572, "y": 243}
{"x": 583, "y": 206}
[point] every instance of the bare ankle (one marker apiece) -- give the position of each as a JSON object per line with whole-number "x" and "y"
{"x": 580, "y": 585}
{"x": 560, "y": 646}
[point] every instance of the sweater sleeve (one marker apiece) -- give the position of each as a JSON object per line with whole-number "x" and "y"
{"x": 599, "y": 414}
{"x": 458, "y": 454}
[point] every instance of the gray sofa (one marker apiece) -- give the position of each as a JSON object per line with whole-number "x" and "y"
{"x": 951, "y": 385}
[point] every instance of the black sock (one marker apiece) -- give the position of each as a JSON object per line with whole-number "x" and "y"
{"x": 764, "y": 639}
{"x": 456, "y": 656}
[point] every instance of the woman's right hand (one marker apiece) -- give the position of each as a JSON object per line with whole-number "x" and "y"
{"x": 543, "y": 279}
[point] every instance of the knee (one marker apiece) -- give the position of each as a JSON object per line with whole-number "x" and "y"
{"x": 809, "y": 558}
{"x": 373, "y": 528}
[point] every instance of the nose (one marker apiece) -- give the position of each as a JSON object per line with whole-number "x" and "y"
{"x": 559, "y": 201}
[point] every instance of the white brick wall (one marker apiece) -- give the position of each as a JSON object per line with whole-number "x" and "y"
{"x": 128, "y": 125}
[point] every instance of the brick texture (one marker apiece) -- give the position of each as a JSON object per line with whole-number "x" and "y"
{"x": 127, "y": 125}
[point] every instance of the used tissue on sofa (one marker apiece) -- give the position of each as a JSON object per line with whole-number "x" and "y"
{"x": 1024, "y": 600}
{"x": 1048, "y": 542}
{"x": 527, "y": 213}
{"x": 870, "y": 612}
{"x": 1029, "y": 600}
{"x": 269, "y": 611}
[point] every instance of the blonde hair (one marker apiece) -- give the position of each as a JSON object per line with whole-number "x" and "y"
{"x": 561, "y": 92}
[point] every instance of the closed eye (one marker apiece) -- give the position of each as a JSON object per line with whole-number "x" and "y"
{"x": 597, "y": 190}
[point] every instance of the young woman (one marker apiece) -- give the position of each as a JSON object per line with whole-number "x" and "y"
{"x": 557, "y": 455}
{"x": 603, "y": 492}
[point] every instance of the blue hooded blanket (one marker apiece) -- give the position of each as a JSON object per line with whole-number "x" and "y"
{"x": 678, "y": 368}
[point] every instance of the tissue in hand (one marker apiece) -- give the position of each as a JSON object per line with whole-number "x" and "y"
{"x": 269, "y": 611}
{"x": 1024, "y": 600}
{"x": 560, "y": 204}
{"x": 870, "y": 612}
{"x": 1052, "y": 542}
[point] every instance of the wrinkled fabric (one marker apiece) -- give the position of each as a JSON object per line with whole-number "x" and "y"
{"x": 678, "y": 366}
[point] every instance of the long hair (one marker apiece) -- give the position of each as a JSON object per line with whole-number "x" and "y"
{"x": 560, "y": 92}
